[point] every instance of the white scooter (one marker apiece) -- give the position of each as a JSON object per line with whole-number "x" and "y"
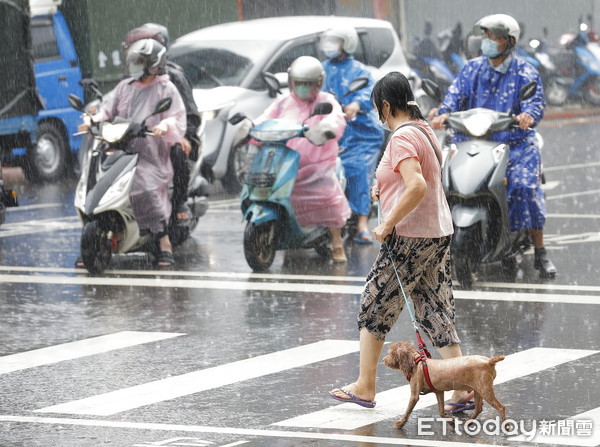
{"x": 102, "y": 194}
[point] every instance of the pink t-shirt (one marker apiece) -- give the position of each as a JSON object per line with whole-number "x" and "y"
{"x": 431, "y": 218}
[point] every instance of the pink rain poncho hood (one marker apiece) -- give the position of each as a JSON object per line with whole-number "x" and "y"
{"x": 317, "y": 196}
{"x": 134, "y": 101}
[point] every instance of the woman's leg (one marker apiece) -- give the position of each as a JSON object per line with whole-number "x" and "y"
{"x": 370, "y": 351}
{"x": 337, "y": 245}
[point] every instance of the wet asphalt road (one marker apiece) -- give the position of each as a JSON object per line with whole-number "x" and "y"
{"x": 209, "y": 354}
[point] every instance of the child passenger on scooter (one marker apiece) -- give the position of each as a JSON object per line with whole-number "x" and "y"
{"x": 317, "y": 196}
{"x": 135, "y": 99}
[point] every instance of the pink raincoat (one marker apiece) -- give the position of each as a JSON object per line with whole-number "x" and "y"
{"x": 134, "y": 101}
{"x": 317, "y": 196}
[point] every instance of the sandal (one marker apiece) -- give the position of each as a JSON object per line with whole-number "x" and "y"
{"x": 79, "y": 263}
{"x": 165, "y": 259}
{"x": 363, "y": 238}
{"x": 183, "y": 213}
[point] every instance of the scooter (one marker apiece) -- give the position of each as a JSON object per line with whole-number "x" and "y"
{"x": 8, "y": 198}
{"x": 451, "y": 48}
{"x": 428, "y": 62}
{"x": 102, "y": 194}
{"x": 578, "y": 63}
{"x": 266, "y": 193}
{"x": 473, "y": 176}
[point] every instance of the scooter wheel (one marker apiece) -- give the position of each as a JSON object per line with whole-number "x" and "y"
{"x": 95, "y": 248}
{"x": 259, "y": 245}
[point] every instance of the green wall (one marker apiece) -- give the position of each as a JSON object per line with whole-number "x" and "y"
{"x": 98, "y": 27}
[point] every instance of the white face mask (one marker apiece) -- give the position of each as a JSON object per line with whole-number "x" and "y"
{"x": 384, "y": 124}
{"x": 331, "y": 49}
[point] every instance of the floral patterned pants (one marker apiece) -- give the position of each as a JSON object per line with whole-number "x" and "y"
{"x": 423, "y": 265}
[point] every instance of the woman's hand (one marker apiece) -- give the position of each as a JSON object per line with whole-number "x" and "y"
{"x": 375, "y": 193}
{"x": 160, "y": 129}
{"x": 382, "y": 231}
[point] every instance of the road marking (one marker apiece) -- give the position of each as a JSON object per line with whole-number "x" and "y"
{"x": 177, "y": 386}
{"x": 285, "y": 434}
{"x": 573, "y": 194}
{"x": 340, "y": 289}
{"x": 39, "y": 226}
{"x": 574, "y": 166}
{"x": 34, "y": 207}
{"x": 550, "y": 185}
{"x": 392, "y": 403}
{"x": 569, "y": 439}
{"x": 284, "y": 277}
{"x": 78, "y": 349}
{"x": 573, "y": 216}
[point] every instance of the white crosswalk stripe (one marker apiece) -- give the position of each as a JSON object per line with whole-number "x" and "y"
{"x": 391, "y": 403}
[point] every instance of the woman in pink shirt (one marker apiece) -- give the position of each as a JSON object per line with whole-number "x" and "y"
{"x": 417, "y": 227}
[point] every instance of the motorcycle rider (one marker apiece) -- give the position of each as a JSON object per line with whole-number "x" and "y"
{"x": 134, "y": 99}
{"x": 361, "y": 143}
{"x": 317, "y": 196}
{"x": 188, "y": 146}
{"x": 493, "y": 81}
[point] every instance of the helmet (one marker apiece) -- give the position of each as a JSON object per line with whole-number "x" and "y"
{"x": 146, "y": 31}
{"x": 306, "y": 77}
{"x": 500, "y": 25}
{"x": 346, "y": 34}
{"x": 146, "y": 57}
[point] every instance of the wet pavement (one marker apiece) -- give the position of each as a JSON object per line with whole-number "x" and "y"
{"x": 209, "y": 354}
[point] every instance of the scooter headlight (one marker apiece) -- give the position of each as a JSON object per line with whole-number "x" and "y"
{"x": 114, "y": 132}
{"x": 478, "y": 125}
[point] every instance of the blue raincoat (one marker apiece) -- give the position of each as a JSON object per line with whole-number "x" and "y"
{"x": 361, "y": 143}
{"x": 480, "y": 85}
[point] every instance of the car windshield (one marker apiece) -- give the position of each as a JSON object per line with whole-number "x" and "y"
{"x": 212, "y": 64}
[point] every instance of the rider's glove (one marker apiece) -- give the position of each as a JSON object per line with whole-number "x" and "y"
{"x": 320, "y": 133}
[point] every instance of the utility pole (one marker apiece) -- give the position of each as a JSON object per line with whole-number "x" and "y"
{"x": 402, "y": 24}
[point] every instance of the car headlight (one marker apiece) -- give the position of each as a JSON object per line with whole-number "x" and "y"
{"x": 478, "y": 125}
{"x": 114, "y": 132}
{"x": 212, "y": 113}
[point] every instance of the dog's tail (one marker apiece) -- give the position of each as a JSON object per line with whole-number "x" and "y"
{"x": 496, "y": 359}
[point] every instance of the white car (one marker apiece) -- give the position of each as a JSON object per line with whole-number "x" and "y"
{"x": 225, "y": 64}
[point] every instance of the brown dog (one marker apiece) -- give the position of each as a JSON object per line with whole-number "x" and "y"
{"x": 470, "y": 372}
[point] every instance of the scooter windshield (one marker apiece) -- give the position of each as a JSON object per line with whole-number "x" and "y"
{"x": 276, "y": 131}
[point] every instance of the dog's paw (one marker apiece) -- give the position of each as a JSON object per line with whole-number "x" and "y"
{"x": 399, "y": 424}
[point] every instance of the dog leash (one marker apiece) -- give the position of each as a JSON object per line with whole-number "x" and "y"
{"x": 423, "y": 352}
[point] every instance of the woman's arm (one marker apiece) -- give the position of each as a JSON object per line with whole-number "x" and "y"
{"x": 416, "y": 187}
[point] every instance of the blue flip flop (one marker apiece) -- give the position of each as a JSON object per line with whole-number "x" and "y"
{"x": 353, "y": 399}
{"x": 360, "y": 238}
{"x": 459, "y": 408}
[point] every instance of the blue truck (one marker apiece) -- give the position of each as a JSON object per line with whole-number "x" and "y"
{"x": 42, "y": 141}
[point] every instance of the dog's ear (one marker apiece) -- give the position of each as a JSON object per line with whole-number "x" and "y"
{"x": 406, "y": 360}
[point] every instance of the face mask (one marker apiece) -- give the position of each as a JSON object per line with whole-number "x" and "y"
{"x": 384, "y": 125}
{"x": 136, "y": 70}
{"x": 489, "y": 48}
{"x": 303, "y": 91}
{"x": 331, "y": 50}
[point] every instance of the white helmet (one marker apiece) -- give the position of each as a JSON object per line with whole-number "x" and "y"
{"x": 348, "y": 36}
{"x": 500, "y": 25}
{"x": 306, "y": 77}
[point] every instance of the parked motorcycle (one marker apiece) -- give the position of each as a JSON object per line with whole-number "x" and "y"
{"x": 268, "y": 174}
{"x": 474, "y": 176}
{"x": 578, "y": 63}
{"x": 8, "y": 198}
{"x": 102, "y": 194}
{"x": 452, "y": 48}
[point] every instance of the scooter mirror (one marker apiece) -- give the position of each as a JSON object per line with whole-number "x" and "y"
{"x": 237, "y": 118}
{"x": 527, "y": 91}
{"x": 272, "y": 84}
{"x": 75, "y": 102}
{"x": 162, "y": 106}
{"x": 322, "y": 108}
{"x": 432, "y": 89}
{"x": 357, "y": 84}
